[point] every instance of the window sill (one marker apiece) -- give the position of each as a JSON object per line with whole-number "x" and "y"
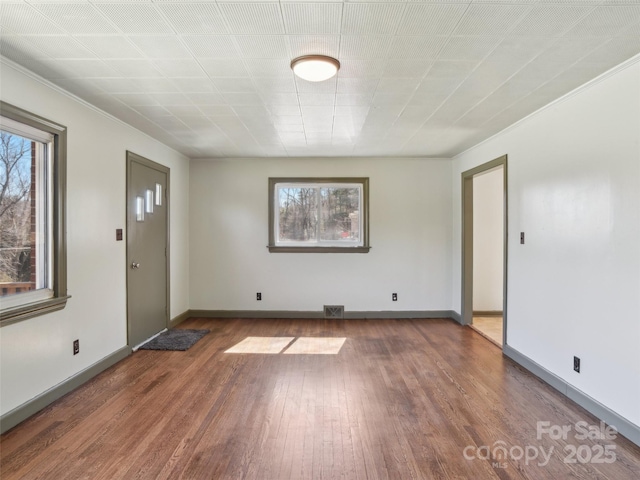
{"x": 24, "y": 312}
{"x": 290, "y": 249}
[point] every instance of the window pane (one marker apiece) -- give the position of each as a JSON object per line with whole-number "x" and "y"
{"x": 297, "y": 214}
{"x": 319, "y": 215}
{"x": 340, "y": 214}
{"x": 23, "y": 213}
{"x": 33, "y": 256}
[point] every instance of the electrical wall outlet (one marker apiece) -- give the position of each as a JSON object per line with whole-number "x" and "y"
{"x": 522, "y": 238}
{"x": 258, "y": 296}
{"x": 394, "y": 297}
{"x": 576, "y": 364}
{"x": 76, "y": 347}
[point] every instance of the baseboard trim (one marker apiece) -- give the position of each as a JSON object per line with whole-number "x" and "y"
{"x": 33, "y": 406}
{"x": 177, "y": 320}
{"x": 353, "y": 315}
{"x": 254, "y": 314}
{"x": 487, "y": 313}
{"x": 626, "y": 428}
{"x": 456, "y": 316}
{"x": 399, "y": 314}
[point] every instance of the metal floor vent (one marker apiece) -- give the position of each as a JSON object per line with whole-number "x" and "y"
{"x": 334, "y": 311}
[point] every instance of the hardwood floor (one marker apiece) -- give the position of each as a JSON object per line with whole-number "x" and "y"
{"x": 490, "y": 328}
{"x": 403, "y": 399}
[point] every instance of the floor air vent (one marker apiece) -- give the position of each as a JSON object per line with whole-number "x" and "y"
{"x": 333, "y": 311}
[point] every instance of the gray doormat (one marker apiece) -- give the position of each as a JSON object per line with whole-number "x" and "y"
{"x": 175, "y": 339}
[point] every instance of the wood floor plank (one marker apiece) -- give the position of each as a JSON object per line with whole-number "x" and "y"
{"x": 403, "y": 399}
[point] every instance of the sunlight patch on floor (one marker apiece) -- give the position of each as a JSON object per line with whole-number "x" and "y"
{"x": 316, "y": 346}
{"x": 269, "y": 345}
{"x": 301, "y": 346}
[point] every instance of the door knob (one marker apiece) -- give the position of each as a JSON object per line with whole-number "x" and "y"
{"x": 135, "y": 265}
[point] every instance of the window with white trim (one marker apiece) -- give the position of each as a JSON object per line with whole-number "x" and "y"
{"x": 32, "y": 239}
{"x": 318, "y": 215}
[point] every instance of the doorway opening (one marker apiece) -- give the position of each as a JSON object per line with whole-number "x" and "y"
{"x": 484, "y": 250}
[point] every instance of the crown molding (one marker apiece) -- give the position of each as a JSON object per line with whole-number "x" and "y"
{"x": 4, "y": 61}
{"x": 576, "y": 91}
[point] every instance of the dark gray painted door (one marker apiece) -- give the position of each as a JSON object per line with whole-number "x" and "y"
{"x": 147, "y": 220}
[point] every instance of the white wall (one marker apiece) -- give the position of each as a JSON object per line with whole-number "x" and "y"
{"x": 574, "y": 189}
{"x": 36, "y": 354}
{"x": 574, "y": 288}
{"x": 410, "y": 233}
{"x": 488, "y": 234}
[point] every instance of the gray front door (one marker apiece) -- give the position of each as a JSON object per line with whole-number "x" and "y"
{"x": 147, "y": 255}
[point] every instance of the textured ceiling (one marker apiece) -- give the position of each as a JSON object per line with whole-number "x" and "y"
{"x": 418, "y": 78}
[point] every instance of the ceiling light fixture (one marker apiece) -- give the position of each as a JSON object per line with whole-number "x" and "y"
{"x": 315, "y": 68}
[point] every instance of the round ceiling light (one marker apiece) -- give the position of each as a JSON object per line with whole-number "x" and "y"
{"x": 315, "y": 68}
